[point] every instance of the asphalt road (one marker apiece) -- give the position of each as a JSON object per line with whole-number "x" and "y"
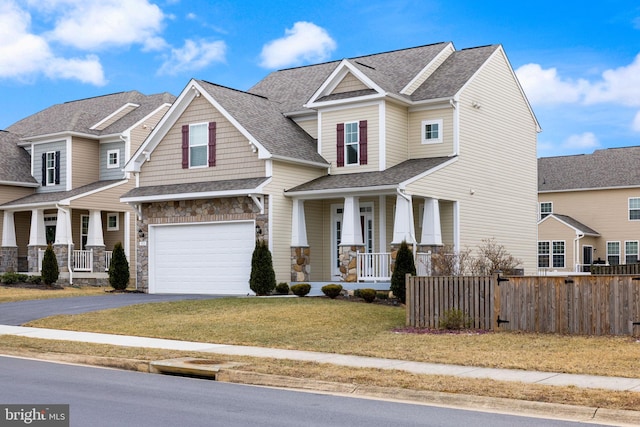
{"x": 18, "y": 313}
{"x": 105, "y": 397}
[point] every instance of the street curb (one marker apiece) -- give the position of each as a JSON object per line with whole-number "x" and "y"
{"x": 621, "y": 418}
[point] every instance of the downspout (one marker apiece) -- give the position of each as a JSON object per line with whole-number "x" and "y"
{"x": 576, "y": 253}
{"x": 69, "y": 249}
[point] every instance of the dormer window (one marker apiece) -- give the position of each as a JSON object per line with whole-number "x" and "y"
{"x": 431, "y": 131}
{"x": 51, "y": 168}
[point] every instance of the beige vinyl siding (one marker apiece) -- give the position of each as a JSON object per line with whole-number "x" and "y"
{"x": 348, "y": 84}
{"x": 419, "y": 150}
{"x": 442, "y": 56}
{"x": 329, "y": 121}
{"x": 285, "y": 175}
{"x": 140, "y": 132}
{"x": 107, "y": 200}
{"x": 559, "y": 232}
{"x": 9, "y": 193}
{"x": 309, "y": 126}
{"x": 612, "y": 223}
{"x": 234, "y": 157}
{"x": 497, "y": 162}
{"x": 85, "y": 161}
{"x": 396, "y": 137}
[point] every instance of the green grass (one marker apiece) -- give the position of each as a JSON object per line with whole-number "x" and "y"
{"x": 337, "y": 326}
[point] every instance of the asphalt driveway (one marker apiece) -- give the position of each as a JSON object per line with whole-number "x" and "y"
{"x": 18, "y": 313}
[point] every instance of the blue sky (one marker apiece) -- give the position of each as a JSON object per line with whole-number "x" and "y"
{"x": 579, "y": 62}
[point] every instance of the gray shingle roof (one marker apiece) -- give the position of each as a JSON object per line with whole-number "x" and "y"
{"x": 57, "y": 196}
{"x": 392, "y": 176}
{"x": 576, "y": 224}
{"x": 81, "y": 115}
{"x": 453, "y": 73}
{"x": 15, "y": 162}
{"x": 392, "y": 71}
{"x": 280, "y": 135}
{"x": 612, "y": 167}
{"x": 195, "y": 187}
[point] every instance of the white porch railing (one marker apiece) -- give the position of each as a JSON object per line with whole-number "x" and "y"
{"x": 376, "y": 267}
{"x": 82, "y": 260}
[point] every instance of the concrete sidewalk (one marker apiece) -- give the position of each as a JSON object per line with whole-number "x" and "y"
{"x": 533, "y": 377}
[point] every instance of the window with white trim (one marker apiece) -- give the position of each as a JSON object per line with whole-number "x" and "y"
{"x": 546, "y": 208}
{"x": 113, "y": 159}
{"x": 551, "y": 254}
{"x": 634, "y": 208}
{"x": 613, "y": 253}
{"x": 431, "y": 131}
{"x": 351, "y": 143}
{"x": 198, "y": 143}
{"x": 631, "y": 252}
{"x": 113, "y": 222}
{"x": 84, "y": 230}
{"x": 50, "y": 165}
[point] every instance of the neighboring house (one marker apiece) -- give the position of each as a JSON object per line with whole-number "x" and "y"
{"x": 334, "y": 165}
{"x": 63, "y": 187}
{"x": 589, "y": 207}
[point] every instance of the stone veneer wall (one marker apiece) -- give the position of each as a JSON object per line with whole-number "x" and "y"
{"x": 8, "y": 259}
{"x": 348, "y": 262}
{"x": 300, "y": 264}
{"x": 241, "y": 208}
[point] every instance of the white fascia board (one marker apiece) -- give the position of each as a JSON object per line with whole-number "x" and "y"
{"x": 191, "y": 196}
{"x": 27, "y": 206}
{"x": 430, "y": 104}
{"x": 342, "y": 192}
{"x": 428, "y": 172}
{"x": 578, "y": 231}
{"x": 336, "y": 77}
{"x": 161, "y": 129}
{"x": 127, "y": 105}
{"x": 54, "y": 137}
{"x": 622, "y": 187}
{"x": 19, "y": 184}
{"x": 301, "y": 162}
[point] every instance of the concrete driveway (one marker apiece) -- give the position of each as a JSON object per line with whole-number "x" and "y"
{"x": 18, "y": 313}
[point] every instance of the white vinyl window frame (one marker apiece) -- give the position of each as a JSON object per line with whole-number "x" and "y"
{"x": 50, "y": 165}
{"x": 613, "y": 252}
{"x": 113, "y": 221}
{"x": 113, "y": 159}
{"x": 631, "y": 251}
{"x": 198, "y": 145}
{"x": 431, "y": 131}
{"x": 546, "y": 208}
{"x": 552, "y": 253}
{"x": 351, "y": 143}
{"x": 634, "y": 208}
{"x": 84, "y": 230}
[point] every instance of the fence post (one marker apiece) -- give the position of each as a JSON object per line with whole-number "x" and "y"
{"x": 408, "y": 295}
{"x": 495, "y": 289}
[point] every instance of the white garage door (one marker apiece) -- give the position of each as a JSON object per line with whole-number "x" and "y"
{"x": 201, "y": 258}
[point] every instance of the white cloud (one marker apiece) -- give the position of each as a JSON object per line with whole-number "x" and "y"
{"x": 194, "y": 55}
{"x": 584, "y": 141}
{"x": 24, "y": 55}
{"x": 93, "y": 25}
{"x": 620, "y": 86}
{"x": 635, "y": 126}
{"x": 547, "y": 87}
{"x": 305, "y": 42}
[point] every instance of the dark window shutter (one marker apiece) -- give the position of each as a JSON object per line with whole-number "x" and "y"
{"x": 185, "y": 146}
{"x": 212, "y": 143}
{"x": 340, "y": 145}
{"x": 44, "y": 168}
{"x": 57, "y": 170}
{"x": 363, "y": 142}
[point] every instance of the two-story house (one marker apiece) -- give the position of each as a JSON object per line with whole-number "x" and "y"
{"x": 589, "y": 210}
{"x": 64, "y": 180}
{"x": 334, "y": 165}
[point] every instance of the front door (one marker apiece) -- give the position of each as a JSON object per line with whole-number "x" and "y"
{"x": 366, "y": 225}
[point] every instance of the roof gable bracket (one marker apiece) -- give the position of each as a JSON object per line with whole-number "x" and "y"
{"x": 258, "y": 201}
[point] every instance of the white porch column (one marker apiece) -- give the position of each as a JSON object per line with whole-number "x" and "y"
{"x": 351, "y": 230}
{"x": 63, "y": 228}
{"x": 298, "y": 224}
{"x": 37, "y": 235}
{"x": 94, "y": 234}
{"x": 403, "y": 228}
{"x": 8, "y": 230}
{"x": 431, "y": 231}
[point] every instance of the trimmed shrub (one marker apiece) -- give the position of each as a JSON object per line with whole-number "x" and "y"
{"x": 50, "y": 271}
{"x": 263, "y": 278}
{"x": 332, "y": 290}
{"x": 454, "y": 319}
{"x": 404, "y": 264}
{"x": 301, "y": 289}
{"x": 367, "y": 294}
{"x": 119, "y": 269}
{"x": 36, "y": 280}
{"x": 11, "y": 278}
{"x": 282, "y": 288}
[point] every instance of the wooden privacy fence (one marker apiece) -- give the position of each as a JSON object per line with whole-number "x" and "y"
{"x": 581, "y": 305}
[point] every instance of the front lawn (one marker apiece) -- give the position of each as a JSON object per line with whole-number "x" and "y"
{"x": 321, "y": 324}
{"x": 19, "y": 292}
